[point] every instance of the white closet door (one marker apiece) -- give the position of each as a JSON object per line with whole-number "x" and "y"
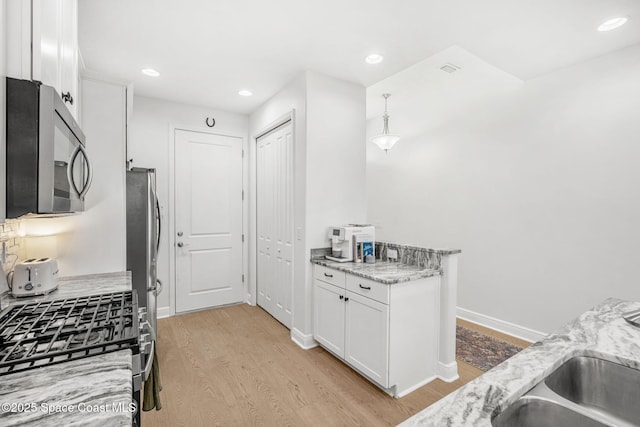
{"x": 274, "y": 165}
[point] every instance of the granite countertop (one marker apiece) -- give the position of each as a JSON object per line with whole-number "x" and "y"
{"x": 382, "y": 271}
{"x": 600, "y": 332}
{"x": 77, "y": 286}
{"x": 94, "y": 391}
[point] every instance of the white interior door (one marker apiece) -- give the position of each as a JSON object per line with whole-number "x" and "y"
{"x": 208, "y": 215}
{"x": 274, "y": 163}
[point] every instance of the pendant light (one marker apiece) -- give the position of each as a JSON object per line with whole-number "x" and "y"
{"x": 385, "y": 140}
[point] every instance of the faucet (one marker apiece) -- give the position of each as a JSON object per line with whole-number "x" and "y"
{"x": 632, "y": 317}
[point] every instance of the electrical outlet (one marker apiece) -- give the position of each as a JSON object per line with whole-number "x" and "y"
{"x": 392, "y": 254}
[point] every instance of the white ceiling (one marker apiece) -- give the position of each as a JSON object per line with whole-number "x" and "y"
{"x": 207, "y": 50}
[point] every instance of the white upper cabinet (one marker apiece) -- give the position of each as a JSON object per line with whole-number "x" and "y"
{"x": 52, "y": 28}
{"x": 69, "y": 64}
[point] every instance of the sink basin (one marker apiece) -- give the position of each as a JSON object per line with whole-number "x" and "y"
{"x": 583, "y": 392}
{"x": 599, "y": 385}
{"x": 533, "y": 412}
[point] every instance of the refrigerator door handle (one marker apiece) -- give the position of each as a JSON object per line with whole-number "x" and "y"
{"x": 158, "y": 288}
{"x": 159, "y": 224}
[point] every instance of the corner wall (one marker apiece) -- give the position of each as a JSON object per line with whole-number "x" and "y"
{"x": 149, "y": 141}
{"x": 329, "y": 148}
{"x": 536, "y": 182}
{"x": 93, "y": 241}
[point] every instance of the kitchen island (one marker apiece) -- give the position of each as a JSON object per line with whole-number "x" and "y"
{"x": 93, "y": 391}
{"x": 600, "y": 332}
{"x": 393, "y": 321}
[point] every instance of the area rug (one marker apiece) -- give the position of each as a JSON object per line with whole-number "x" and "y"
{"x": 482, "y": 351}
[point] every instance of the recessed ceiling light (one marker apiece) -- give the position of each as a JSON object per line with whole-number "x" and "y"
{"x": 245, "y": 92}
{"x": 150, "y": 72}
{"x": 612, "y": 24}
{"x": 374, "y": 58}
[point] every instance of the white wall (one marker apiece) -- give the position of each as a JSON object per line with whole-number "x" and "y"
{"x": 329, "y": 145}
{"x": 95, "y": 241}
{"x": 336, "y": 154}
{"x": 149, "y": 138}
{"x": 536, "y": 182}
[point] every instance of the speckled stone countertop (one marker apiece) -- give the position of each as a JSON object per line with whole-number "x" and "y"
{"x": 382, "y": 271}
{"x": 76, "y": 286}
{"x": 94, "y": 391}
{"x": 600, "y": 332}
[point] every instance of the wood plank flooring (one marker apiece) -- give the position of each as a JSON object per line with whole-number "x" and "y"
{"x": 237, "y": 366}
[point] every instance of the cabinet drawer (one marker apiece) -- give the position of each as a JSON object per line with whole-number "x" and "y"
{"x": 368, "y": 288}
{"x": 329, "y": 275}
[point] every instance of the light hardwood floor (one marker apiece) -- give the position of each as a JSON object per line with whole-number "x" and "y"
{"x": 237, "y": 366}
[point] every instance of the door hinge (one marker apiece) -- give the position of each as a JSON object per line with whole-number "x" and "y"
{"x": 243, "y": 278}
{"x": 242, "y": 194}
{"x": 243, "y": 153}
{"x": 243, "y": 238}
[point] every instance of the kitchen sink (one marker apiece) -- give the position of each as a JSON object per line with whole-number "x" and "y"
{"x": 584, "y": 391}
{"x": 599, "y": 385}
{"x": 533, "y": 412}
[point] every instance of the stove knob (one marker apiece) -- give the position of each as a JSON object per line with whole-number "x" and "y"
{"x": 28, "y": 287}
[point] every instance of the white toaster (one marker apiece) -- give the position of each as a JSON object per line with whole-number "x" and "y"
{"x": 34, "y": 277}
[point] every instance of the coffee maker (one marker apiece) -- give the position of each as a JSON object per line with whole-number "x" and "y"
{"x": 345, "y": 239}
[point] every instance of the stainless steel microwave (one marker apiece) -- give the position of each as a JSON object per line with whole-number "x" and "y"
{"x": 48, "y": 169}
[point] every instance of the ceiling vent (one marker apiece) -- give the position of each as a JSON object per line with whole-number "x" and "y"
{"x": 449, "y": 68}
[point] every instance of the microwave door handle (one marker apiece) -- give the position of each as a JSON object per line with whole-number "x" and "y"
{"x": 72, "y": 160}
{"x": 89, "y": 179}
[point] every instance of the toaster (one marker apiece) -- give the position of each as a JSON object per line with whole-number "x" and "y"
{"x": 34, "y": 277}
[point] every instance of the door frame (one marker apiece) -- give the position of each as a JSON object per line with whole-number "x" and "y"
{"x": 172, "y": 205}
{"x": 252, "y": 290}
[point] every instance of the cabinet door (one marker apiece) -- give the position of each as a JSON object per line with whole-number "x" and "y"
{"x": 69, "y": 54}
{"x": 367, "y": 337}
{"x": 46, "y": 42}
{"x": 328, "y": 325}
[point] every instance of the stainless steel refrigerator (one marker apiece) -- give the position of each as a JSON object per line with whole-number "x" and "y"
{"x": 144, "y": 227}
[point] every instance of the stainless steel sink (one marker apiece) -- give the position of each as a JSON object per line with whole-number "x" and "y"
{"x": 600, "y": 385}
{"x": 533, "y": 412}
{"x": 584, "y": 391}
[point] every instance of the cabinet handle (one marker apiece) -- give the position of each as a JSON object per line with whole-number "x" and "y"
{"x": 365, "y": 287}
{"x": 341, "y": 297}
{"x": 346, "y": 299}
{"x": 66, "y": 97}
{"x": 328, "y": 275}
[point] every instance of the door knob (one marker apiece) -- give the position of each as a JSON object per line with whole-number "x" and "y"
{"x": 179, "y": 233}
{"x": 180, "y": 244}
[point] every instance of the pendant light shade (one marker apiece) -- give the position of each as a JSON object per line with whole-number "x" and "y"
{"x": 385, "y": 140}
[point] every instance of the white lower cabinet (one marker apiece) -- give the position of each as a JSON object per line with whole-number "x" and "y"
{"x": 367, "y": 337}
{"x": 329, "y": 317}
{"x": 388, "y": 333}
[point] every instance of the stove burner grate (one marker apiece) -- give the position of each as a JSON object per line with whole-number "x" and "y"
{"x": 43, "y": 333}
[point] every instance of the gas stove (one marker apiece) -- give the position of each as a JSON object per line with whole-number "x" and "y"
{"x": 43, "y": 333}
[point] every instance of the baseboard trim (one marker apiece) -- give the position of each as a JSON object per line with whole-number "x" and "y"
{"x": 164, "y": 312}
{"x": 413, "y": 388}
{"x": 500, "y": 325}
{"x": 448, "y": 372}
{"x": 304, "y": 341}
